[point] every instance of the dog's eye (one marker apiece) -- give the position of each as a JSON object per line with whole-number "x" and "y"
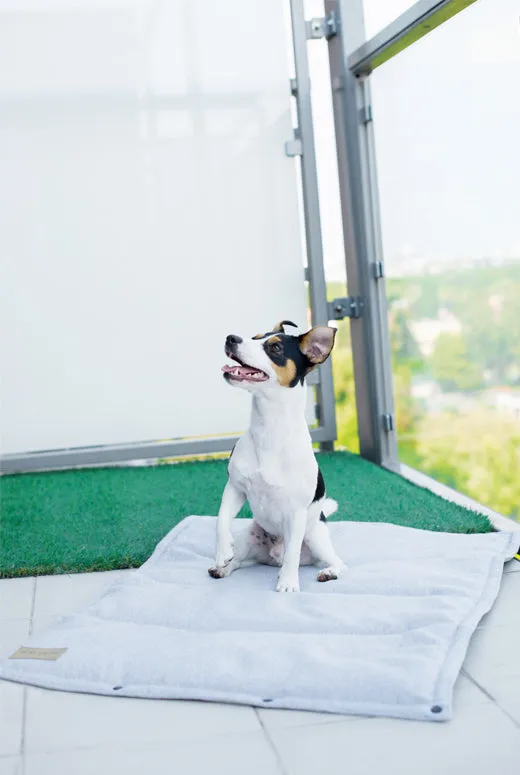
{"x": 276, "y": 347}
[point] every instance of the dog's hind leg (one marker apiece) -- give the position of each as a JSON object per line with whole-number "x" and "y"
{"x": 320, "y": 544}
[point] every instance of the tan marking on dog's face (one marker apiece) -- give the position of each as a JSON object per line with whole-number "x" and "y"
{"x": 286, "y": 371}
{"x": 258, "y": 336}
{"x": 285, "y": 374}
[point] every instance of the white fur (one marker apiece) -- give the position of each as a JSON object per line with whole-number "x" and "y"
{"x": 273, "y": 466}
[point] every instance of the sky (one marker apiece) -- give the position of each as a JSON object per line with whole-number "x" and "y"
{"x": 447, "y": 131}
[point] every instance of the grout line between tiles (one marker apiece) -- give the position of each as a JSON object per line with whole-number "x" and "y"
{"x": 24, "y": 717}
{"x": 33, "y": 603}
{"x": 24, "y": 700}
{"x": 271, "y": 743}
{"x": 491, "y": 697}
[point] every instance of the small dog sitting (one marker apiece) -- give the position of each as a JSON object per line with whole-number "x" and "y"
{"x": 273, "y": 464}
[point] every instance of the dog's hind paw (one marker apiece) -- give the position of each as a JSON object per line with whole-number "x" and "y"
{"x": 328, "y": 574}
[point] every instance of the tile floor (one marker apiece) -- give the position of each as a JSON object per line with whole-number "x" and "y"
{"x": 44, "y": 732}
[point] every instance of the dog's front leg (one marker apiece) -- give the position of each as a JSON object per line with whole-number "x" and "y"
{"x": 232, "y": 501}
{"x": 294, "y": 533}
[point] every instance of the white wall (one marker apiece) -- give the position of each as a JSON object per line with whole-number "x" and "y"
{"x": 147, "y": 209}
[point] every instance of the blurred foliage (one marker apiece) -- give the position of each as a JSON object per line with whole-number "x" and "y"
{"x": 476, "y": 448}
{"x": 451, "y": 364}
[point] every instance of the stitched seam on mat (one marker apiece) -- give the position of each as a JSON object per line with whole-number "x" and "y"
{"x": 33, "y": 679}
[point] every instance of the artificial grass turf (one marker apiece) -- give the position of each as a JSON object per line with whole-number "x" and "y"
{"x": 102, "y": 519}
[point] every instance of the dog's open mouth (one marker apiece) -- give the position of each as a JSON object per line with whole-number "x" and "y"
{"x": 242, "y": 372}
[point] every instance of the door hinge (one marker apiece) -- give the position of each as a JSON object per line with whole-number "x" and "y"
{"x": 388, "y": 422}
{"x": 294, "y": 147}
{"x": 322, "y": 27}
{"x": 345, "y": 307}
{"x": 379, "y": 270}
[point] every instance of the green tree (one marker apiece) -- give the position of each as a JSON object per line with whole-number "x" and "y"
{"x": 451, "y": 365}
{"x": 477, "y": 454}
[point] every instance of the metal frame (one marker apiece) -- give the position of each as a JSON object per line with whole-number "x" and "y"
{"x": 352, "y": 59}
{"x": 362, "y": 239}
{"x": 413, "y": 24}
{"x": 301, "y": 90}
{"x": 116, "y": 453}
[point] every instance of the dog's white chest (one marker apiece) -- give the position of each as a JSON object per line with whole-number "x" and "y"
{"x": 276, "y": 485}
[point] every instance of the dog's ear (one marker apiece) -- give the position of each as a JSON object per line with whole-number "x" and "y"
{"x": 317, "y": 343}
{"x": 278, "y": 328}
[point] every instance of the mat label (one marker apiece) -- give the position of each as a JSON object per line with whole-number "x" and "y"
{"x": 26, "y": 652}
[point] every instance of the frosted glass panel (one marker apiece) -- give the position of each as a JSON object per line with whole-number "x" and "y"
{"x": 147, "y": 209}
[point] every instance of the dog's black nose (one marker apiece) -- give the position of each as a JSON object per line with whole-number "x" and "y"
{"x": 232, "y": 339}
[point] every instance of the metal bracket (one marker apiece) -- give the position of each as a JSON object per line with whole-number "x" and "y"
{"x": 365, "y": 114}
{"x": 294, "y": 147}
{"x": 379, "y": 270}
{"x": 345, "y": 307}
{"x": 388, "y": 422}
{"x": 322, "y": 27}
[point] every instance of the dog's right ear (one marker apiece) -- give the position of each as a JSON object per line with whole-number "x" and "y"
{"x": 317, "y": 344}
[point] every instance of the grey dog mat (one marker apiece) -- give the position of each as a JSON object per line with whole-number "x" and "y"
{"x": 386, "y": 639}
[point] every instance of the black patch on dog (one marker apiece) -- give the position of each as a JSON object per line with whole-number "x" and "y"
{"x": 323, "y": 518}
{"x": 288, "y": 349}
{"x": 231, "y": 454}
{"x": 320, "y": 488}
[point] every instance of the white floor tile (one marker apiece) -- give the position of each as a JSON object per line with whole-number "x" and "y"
{"x": 467, "y": 693}
{"x": 243, "y": 754}
{"x": 11, "y": 765}
{"x": 58, "y": 721}
{"x": 282, "y": 719}
{"x": 16, "y": 597}
{"x": 507, "y": 695}
{"x": 506, "y": 607}
{"x": 494, "y": 654}
{"x": 12, "y": 635}
{"x": 479, "y": 740}
{"x": 67, "y": 594}
{"x": 11, "y": 718}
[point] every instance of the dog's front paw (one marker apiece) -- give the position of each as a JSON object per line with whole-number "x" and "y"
{"x": 224, "y": 553}
{"x": 288, "y": 583}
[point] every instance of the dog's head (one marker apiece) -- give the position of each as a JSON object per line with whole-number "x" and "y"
{"x": 276, "y": 359}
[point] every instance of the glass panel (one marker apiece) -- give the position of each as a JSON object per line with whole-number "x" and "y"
{"x": 447, "y": 123}
{"x": 147, "y": 210}
{"x": 379, "y": 13}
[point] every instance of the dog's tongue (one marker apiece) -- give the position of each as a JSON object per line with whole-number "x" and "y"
{"x": 240, "y": 371}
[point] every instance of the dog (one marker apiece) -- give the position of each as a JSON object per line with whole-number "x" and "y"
{"x": 273, "y": 465}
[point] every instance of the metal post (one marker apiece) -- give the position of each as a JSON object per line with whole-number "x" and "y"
{"x": 316, "y": 272}
{"x": 362, "y": 239}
